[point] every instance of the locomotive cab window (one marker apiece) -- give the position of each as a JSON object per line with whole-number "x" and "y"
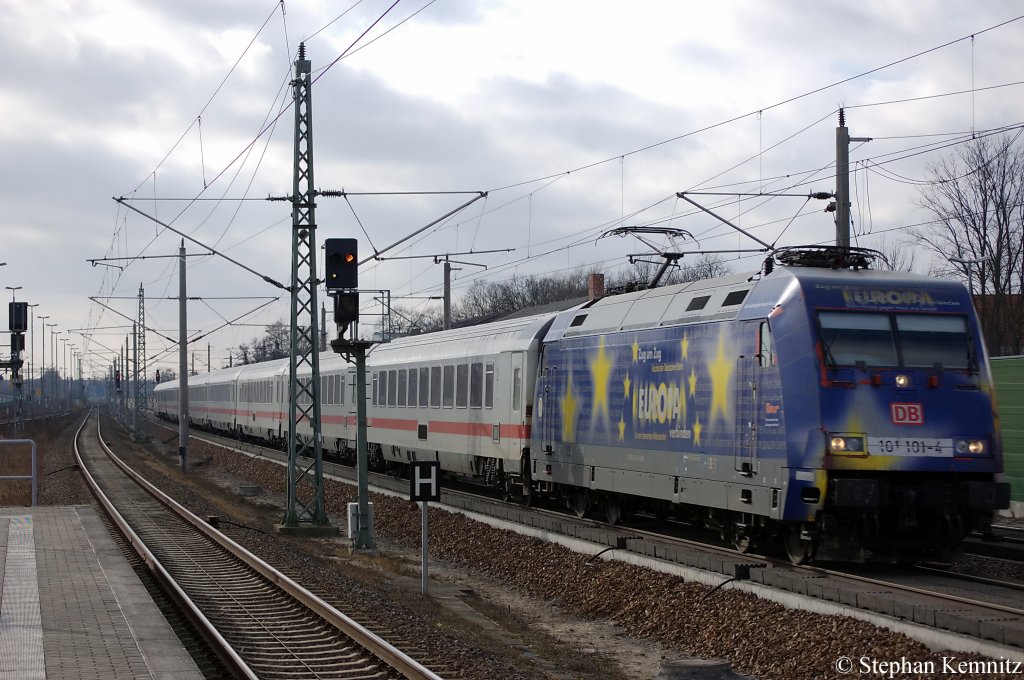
{"x": 928, "y": 340}
{"x": 849, "y": 338}
{"x": 883, "y": 340}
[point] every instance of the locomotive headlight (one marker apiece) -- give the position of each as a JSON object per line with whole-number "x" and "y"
{"x": 971, "y": 447}
{"x": 844, "y": 443}
{"x": 903, "y": 381}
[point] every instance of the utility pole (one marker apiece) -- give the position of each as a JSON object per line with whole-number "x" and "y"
{"x": 306, "y": 515}
{"x": 843, "y": 204}
{"x": 447, "y": 294}
{"x": 182, "y": 361}
{"x": 136, "y": 417}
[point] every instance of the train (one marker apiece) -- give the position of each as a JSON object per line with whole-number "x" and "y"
{"x": 836, "y": 410}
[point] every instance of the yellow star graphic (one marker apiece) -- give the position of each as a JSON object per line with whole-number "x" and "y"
{"x": 622, "y": 429}
{"x": 626, "y": 382}
{"x": 600, "y": 375}
{"x": 697, "y": 427}
{"x": 720, "y": 371}
{"x": 636, "y": 351}
{"x": 568, "y": 403}
{"x": 684, "y": 346}
{"x": 693, "y": 382}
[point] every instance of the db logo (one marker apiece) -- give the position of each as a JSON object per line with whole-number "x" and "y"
{"x": 907, "y": 414}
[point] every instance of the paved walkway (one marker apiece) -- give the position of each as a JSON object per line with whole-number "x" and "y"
{"x": 71, "y": 607}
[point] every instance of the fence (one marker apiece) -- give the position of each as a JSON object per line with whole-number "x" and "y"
{"x": 34, "y": 476}
{"x": 1008, "y": 373}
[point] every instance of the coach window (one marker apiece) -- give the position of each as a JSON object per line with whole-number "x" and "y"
{"x": 413, "y": 389}
{"x": 403, "y": 386}
{"x": 461, "y": 385}
{"x": 424, "y": 387}
{"x": 392, "y": 387}
{"x": 448, "y": 394}
{"x": 517, "y": 389}
{"x": 375, "y": 389}
{"x": 476, "y": 385}
{"x": 766, "y": 346}
{"x": 489, "y": 385}
{"x": 435, "y": 387}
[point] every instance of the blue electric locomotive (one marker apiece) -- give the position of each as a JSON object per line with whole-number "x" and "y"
{"x": 846, "y": 410}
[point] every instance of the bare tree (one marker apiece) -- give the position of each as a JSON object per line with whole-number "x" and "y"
{"x": 900, "y": 256}
{"x": 642, "y": 272}
{"x": 977, "y": 199}
{"x": 275, "y": 344}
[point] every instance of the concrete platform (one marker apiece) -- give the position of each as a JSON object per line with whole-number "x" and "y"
{"x": 72, "y": 607}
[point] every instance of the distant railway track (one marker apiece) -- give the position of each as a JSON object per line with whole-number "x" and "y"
{"x": 939, "y": 600}
{"x": 261, "y": 623}
{"x": 1005, "y": 542}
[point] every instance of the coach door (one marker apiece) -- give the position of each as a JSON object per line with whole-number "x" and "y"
{"x": 747, "y": 370}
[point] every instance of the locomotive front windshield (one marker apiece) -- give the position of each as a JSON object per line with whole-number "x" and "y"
{"x": 889, "y": 340}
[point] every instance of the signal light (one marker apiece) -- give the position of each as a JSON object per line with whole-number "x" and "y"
{"x": 346, "y": 308}
{"x": 341, "y": 263}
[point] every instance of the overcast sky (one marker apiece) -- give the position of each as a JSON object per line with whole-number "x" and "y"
{"x": 575, "y": 116}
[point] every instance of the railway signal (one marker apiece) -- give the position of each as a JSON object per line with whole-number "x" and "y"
{"x": 341, "y": 263}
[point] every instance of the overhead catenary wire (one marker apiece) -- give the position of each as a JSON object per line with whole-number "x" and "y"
{"x": 621, "y": 156}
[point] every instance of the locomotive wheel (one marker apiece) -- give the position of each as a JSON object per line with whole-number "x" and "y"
{"x": 580, "y": 502}
{"x": 612, "y": 510}
{"x": 509, "y": 491}
{"x": 798, "y": 550}
{"x": 742, "y": 542}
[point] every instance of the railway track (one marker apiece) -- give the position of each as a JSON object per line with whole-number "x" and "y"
{"x": 262, "y": 623}
{"x": 939, "y": 600}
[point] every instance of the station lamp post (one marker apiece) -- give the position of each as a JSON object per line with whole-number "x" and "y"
{"x": 969, "y": 264}
{"x": 32, "y": 349}
{"x": 12, "y": 289}
{"x": 42, "y": 361}
{"x": 53, "y": 358}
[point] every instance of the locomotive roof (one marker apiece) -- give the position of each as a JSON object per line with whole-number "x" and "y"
{"x": 749, "y": 295}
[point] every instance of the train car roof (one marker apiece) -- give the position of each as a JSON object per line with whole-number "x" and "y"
{"x": 507, "y": 335}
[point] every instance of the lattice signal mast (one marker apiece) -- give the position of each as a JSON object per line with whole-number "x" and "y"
{"x": 306, "y": 511}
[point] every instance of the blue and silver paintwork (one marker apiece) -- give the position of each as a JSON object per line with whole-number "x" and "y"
{"x": 734, "y": 406}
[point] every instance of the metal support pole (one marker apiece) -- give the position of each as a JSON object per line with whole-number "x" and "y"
{"x": 135, "y": 377}
{"x": 363, "y": 538}
{"x": 306, "y": 510}
{"x": 182, "y": 362}
{"x": 447, "y": 295}
{"x": 843, "y": 140}
{"x": 425, "y": 543}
